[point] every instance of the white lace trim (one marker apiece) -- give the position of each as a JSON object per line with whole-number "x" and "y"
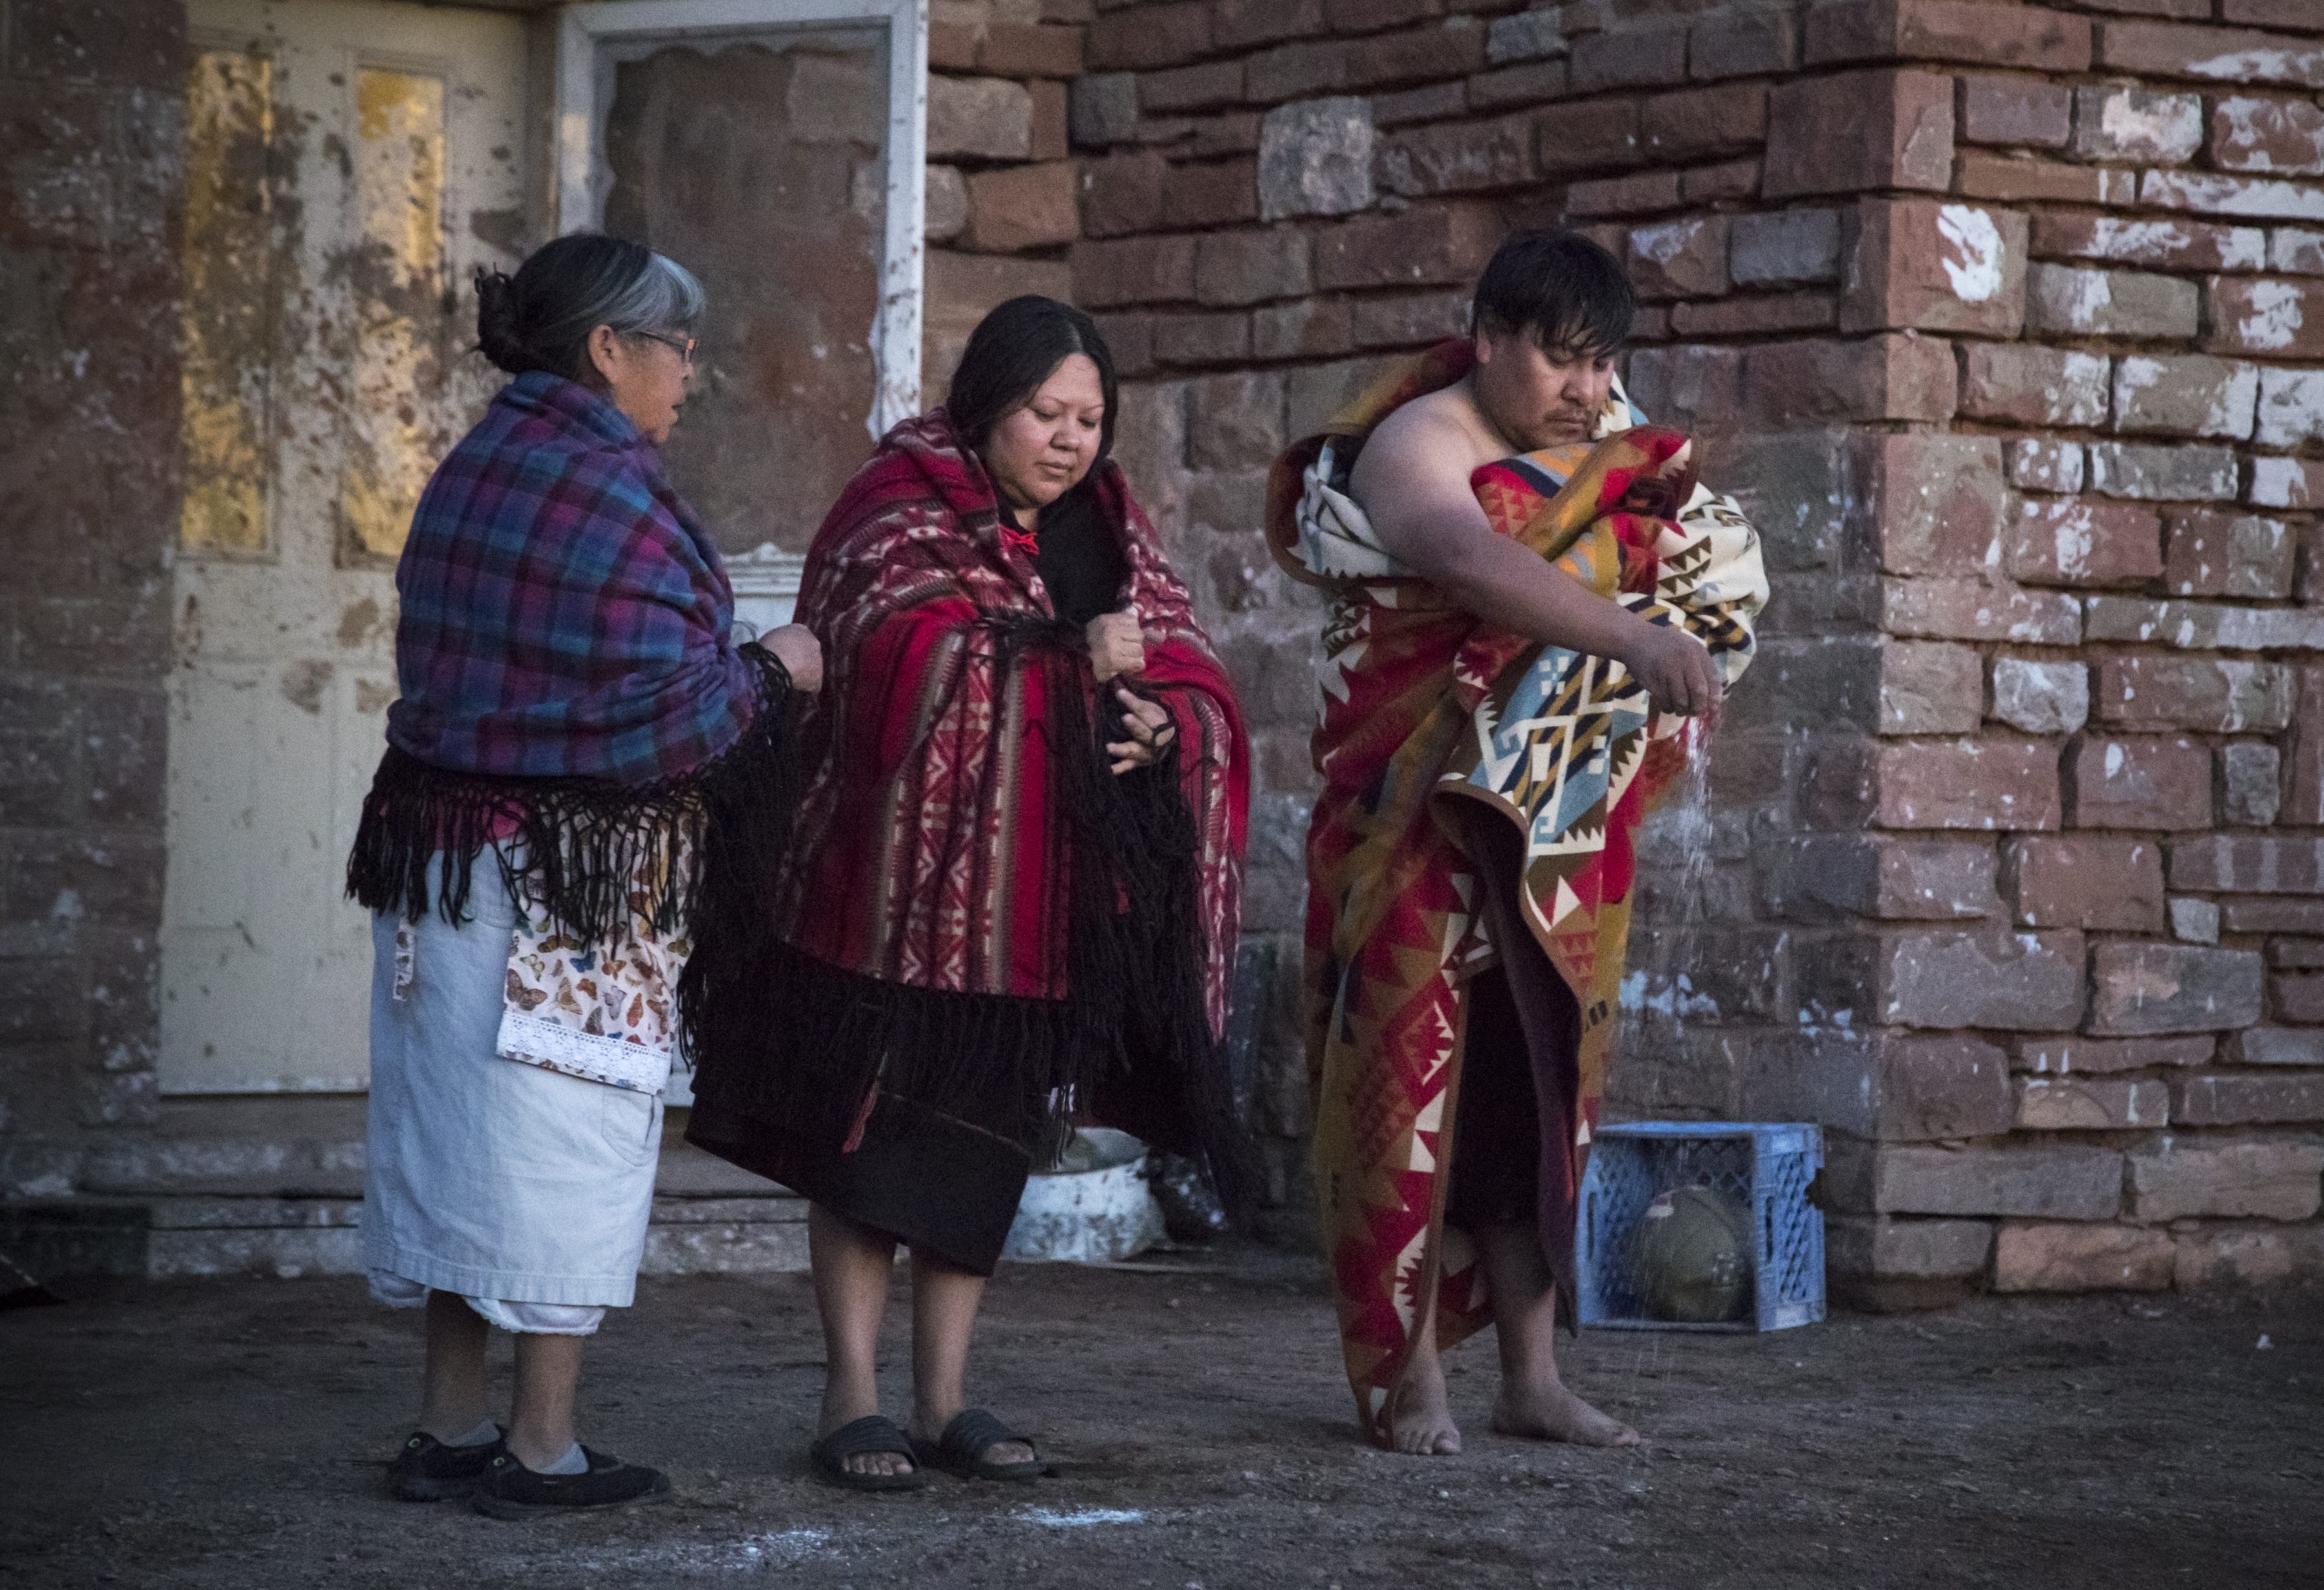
{"x": 534, "y": 1041}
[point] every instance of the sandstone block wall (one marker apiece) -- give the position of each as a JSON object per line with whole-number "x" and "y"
{"x": 91, "y": 135}
{"x": 1004, "y": 196}
{"x": 2008, "y": 322}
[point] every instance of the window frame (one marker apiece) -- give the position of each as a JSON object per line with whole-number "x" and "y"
{"x": 578, "y": 173}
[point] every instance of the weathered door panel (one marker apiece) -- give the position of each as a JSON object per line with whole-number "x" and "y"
{"x": 349, "y": 165}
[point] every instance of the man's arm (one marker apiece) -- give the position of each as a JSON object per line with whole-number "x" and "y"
{"x": 1413, "y": 483}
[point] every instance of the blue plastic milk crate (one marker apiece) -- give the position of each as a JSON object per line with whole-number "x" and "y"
{"x": 1769, "y": 1166}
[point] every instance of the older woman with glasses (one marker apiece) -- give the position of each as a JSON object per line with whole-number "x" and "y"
{"x": 581, "y": 780}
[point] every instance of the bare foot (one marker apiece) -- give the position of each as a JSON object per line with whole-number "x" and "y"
{"x": 1553, "y": 1413}
{"x": 1419, "y": 1414}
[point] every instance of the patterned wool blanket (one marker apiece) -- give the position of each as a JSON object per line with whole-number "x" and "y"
{"x": 572, "y": 700}
{"x": 974, "y": 903}
{"x": 1422, "y": 706}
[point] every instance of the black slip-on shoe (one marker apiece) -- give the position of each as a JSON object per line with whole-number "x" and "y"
{"x": 426, "y": 1470}
{"x": 509, "y": 1490}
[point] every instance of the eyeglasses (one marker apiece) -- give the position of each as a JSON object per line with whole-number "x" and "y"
{"x": 682, "y": 346}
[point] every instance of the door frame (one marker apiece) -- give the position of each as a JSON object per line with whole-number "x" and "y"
{"x": 578, "y": 172}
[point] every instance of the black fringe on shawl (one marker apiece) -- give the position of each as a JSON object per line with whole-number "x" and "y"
{"x": 573, "y": 847}
{"x": 795, "y": 1046}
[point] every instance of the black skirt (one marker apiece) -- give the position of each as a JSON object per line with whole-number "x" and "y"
{"x": 934, "y": 1183}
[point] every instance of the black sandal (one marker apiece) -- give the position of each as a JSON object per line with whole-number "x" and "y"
{"x": 874, "y": 1433}
{"x": 972, "y": 1434}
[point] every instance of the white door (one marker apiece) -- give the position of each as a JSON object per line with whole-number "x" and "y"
{"x": 348, "y": 165}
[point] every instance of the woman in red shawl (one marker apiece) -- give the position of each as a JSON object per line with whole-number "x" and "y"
{"x": 1014, "y": 887}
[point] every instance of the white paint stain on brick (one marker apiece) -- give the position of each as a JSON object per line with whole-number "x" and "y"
{"x": 2262, "y": 64}
{"x": 2081, "y": 296}
{"x": 2282, "y": 483}
{"x": 1666, "y": 242}
{"x": 2260, "y": 197}
{"x": 2232, "y": 404}
{"x": 2151, "y": 126}
{"x": 2139, "y": 242}
{"x": 1974, "y": 264}
{"x": 2291, "y": 407}
{"x": 2227, "y": 393}
{"x": 2042, "y": 464}
{"x": 2242, "y": 136}
{"x": 2074, "y": 543}
{"x": 2275, "y": 319}
{"x": 2086, "y": 385}
{"x": 2291, "y": 249}
{"x": 2243, "y": 248}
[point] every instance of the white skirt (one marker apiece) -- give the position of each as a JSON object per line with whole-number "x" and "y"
{"x": 487, "y": 1176}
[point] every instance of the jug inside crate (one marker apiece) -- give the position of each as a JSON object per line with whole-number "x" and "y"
{"x": 1756, "y": 1174}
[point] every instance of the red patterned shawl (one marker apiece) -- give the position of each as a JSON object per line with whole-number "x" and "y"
{"x": 927, "y": 854}
{"x": 978, "y": 921}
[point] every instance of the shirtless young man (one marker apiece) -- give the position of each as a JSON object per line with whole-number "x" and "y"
{"x": 1552, "y": 312}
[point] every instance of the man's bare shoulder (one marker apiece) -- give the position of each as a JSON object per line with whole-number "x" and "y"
{"x": 1441, "y": 437}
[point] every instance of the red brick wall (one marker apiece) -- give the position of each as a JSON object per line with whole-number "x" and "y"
{"x": 91, "y": 124}
{"x": 1002, "y": 195}
{"x": 2008, "y": 322}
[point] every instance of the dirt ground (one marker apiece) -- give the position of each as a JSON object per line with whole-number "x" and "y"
{"x": 233, "y": 1434}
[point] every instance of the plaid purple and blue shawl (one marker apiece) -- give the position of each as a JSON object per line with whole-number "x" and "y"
{"x": 563, "y": 613}
{"x": 572, "y": 695}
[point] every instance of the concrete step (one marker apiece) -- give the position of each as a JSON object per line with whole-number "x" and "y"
{"x": 170, "y": 1237}
{"x": 313, "y": 1149}
{"x": 727, "y": 1236}
{"x": 272, "y": 1185}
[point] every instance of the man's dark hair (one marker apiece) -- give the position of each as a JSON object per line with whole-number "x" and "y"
{"x": 1561, "y": 289}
